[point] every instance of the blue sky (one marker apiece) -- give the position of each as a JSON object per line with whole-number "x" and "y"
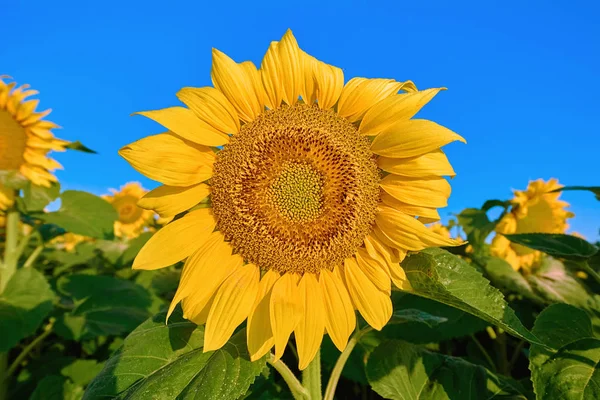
{"x": 522, "y": 78}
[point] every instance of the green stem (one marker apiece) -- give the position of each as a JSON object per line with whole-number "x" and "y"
{"x": 298, "y": 391}
{"x": 341, "y": 361}
{"x": 485, "y": 353}
{"x": 516, "y": 354}
{"x": 15, "y": 364}
{"x": 33, "y": 256}
{"x": 589, "y": 270}
{"x": 11, "y": 246}
{"x": 311, "y": 377}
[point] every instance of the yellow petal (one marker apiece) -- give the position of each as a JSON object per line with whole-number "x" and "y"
{"x": 428, "y": 213}
{"x": 329, "y": 82}
{"x": 376, "y": 271}
{"x": 424, "y": 192}
{"x": 412, "y": 138}
{"x": 270, "y": 76}
{"x": 168, "y": 201}
{"x": 169, "y": 159}
{"x": 233, "y": 81}
{"x": 210, "y": 105}
{"x": 340, "y": 319}
{"x": 309, "y": 332}
{"x": 259, "y": 330}
{"x": 430, "y": 164}
{"x": 291, "y": 69}
{"x": 374, "y": 305}
{"x": 392, "y": 109}
{"x": 360, "y": 94}
{"x": 399, "y": 278}
{"x": 310, "y": 85}
{"x": 254, "y": 75}
{"x": 186, "y": 124}
{"x": 407, "y": 232}
{"x": 176, "y": 241}
{"x": 231, "y": 306}
{"x": 200, "y": 279}
{"x": 285, "y": 311}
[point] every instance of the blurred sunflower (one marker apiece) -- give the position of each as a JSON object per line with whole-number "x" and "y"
{"x": 132, "y": 218}
{"x": 534, "y": 210}
{"x": 312, "y": 202}
{"x": 69, "y": 241}
{"x": 440, "y": 229}
{"x": 25, "y": 139}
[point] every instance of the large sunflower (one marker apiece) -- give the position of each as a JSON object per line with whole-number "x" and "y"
{"x": 534, "y": 210}
{"x": 25, "y": 139}
{"x": 132, "y": 218}
{"x": 312, "y": 201}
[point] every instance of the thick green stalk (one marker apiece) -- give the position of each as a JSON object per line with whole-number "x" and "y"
{"x": 311, "y": 377}
{"x": 11, "y": 256}
{"x": 298, "y": 391}
{"x": 3, "y": 376}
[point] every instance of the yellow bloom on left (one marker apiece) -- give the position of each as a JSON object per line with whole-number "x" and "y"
{"x": 69, "y": 241}
{"x": 25, "y": 139}
{"x": 534, "y": 210}
{"x": 132, "y": 218}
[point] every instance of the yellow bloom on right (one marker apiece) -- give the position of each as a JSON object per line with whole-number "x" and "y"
{"x": 534, "y": 210}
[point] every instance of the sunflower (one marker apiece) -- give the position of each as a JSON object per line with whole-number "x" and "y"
{"x": 533, "y": 210}
{"x": 440, "y": 229}
{"x": 69, "y": 241}
{"x": 312, "y": 205}
{"x": 132, "y": 218}
{"x": 25, "y": 139}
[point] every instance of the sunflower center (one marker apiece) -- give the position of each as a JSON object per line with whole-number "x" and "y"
{"x": 128, "y": 210}
{"x": 296, "y": 190}
{"x": 13, "y": 141}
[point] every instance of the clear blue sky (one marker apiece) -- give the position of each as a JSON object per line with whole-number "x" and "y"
{"x": 523, "y": 79}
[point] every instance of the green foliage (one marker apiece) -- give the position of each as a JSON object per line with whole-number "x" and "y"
{"x": 570, "y": 370}
{"x": 55, "y": 387}
{"x": 593, "y": 189}
{"x": 35, "y": 198}
{"x": 25, "y": 302}
{"x": 441, "y": 276}
{"x": 168, "y": 361}
{"x": 77, "y": 145}
{"x": 84, "y": 214}
{"x": 555, "y": 244}
{"x": 399, "y": 370}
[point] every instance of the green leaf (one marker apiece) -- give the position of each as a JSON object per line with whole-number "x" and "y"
{"x": 50, "y": 231}
{"x": 554, "y": 283}
{"x": 56, "y": 387}
{"x": 25, "y": 302}
{"x": 79, "y": 147}
{"x": 35, "y": 198}
{"x": 503, "y": 276}
{"x": 399, "y": 370}
{"x": 111, "y": 250}
{"x": 135, "y": 245}
{"x": 440, "y": 276}
{"x": 84, "y": 214}
{"x": 556, "y": 244}
{"x": 12, "y": 179}
{"x": 81, "y": 371}
{"x": 593, "y": 189}
{"x": 167, "y": 362}
{"x": 109, "y": 305}
{"x": 457, "y": 323}
{"x": 571, "y": 371}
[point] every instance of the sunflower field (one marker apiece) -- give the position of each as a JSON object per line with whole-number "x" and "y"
{"x": 292, "y": 249}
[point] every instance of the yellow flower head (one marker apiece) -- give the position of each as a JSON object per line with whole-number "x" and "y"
{"x": 534, "y": 210}
{"x": 132, "y": 219}
{"x": 440, "y": 229}
{"x": 314, "y": 188}
{"x": 69, "y": 241}
{"x": 25, "y": 139}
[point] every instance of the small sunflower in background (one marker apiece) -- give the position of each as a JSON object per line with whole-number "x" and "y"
{"x": 314, "y": 187}
{"x": 69, "y": 241}
{"x": 132, "y": 218}
{"x": 534, "y": 210}
{"x": 25, "y": 139}
{"x": 440, "y": 229}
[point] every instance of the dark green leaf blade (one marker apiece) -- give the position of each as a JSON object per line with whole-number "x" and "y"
{"x": 35, "y": 198}
{"x": 399, "y": 370}
{"x": 438, "y": 275}
{"x": 84, "y": 214}
{"x": 77, "y": 145}
{"x": 25, "y": 302}
{"x": 556, "y": 244}
{"x": 167, "y": 361}
{"x": 593, "y": 189}
{"x": 571, "y": 371}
